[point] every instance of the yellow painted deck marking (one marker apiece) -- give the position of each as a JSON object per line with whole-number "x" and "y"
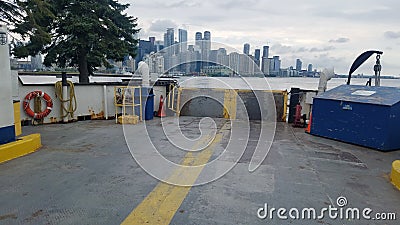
{"x": 160, "y": 206}
{"x": 395, "y": 175}
{"x": 230, "y": 102}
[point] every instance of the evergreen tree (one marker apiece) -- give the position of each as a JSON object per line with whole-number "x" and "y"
{"x": 79, "y": 33}
{"x": 8, "y": 11}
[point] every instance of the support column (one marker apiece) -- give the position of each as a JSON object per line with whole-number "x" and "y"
{"x": 7, "y": 129}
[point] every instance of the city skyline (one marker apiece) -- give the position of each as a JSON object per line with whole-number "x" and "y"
{"x": 325, "y": 33}
{"x": 201, "y": 57}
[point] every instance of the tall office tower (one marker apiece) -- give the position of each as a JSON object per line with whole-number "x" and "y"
{"x": 199, "y": 39}
{"x": 265, "y": 67}
{"x": 222, "y": 57}
{"x": 245, "y": 65}
{"x": 169, "y": 37}
{"x": 144, "y": 47}
{"x": 207, "y": 42}
{"x": 183, "y": 38}
{"x": 310, "y": 68}
{"x": 207, "y": 36}
{"x": 299, "y": 65}
{"x": 257, "y": 57}
{"x": 153, "y": 43}
{"x": 152, "y": 40}
{"x": 234, "y": 62}
{"x": 214, "y": 56}
{"x": 276, "y": 66}
{"x": 266, "y": 51}
{"x": 246, "y": 49}
{"x": 169, "y": 40}
{"x": 158, "y": 46}
{"x": 206, "y": 48}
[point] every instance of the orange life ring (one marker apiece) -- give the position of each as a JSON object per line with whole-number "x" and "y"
{"x": 41, "y": 94}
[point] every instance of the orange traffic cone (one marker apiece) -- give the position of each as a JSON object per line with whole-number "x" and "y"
{"x": 308, "y": 130}
{"x": 161, "y": 109}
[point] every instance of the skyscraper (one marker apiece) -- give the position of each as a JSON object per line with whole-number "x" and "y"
{"x": 207, "y": 36}
{"x": 204, "y": 44}
{"x": 265, "y": 67}
{"x": 199, "y": 39}
{"x": 299, "y": 65}
{"x": 169, "y": 37}
{"x": 144, "y": 47}
{"x": 310, "y": 68}
{"x": 277, "y": 65}
{"x": 207, "y": 43}
{"x": 246, "y": 49}
{"x": 169, "y": 40}
{"x": 183, "y": 38}
{"x": 265, "y": 51}
{"x": 257, "y": 56}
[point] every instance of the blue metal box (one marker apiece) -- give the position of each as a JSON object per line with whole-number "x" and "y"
{"x": 361, "y": 115}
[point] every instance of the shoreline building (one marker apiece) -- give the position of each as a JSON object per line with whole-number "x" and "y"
{"x": 299, "y": 65}
{"x": 246, "y": 49}
{"x": 257, "y": 57}
{"x": 265, "y": 67}
{"x": 183, "y": 39}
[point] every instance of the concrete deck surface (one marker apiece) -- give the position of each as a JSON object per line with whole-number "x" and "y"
{"x": 85, "y": 174}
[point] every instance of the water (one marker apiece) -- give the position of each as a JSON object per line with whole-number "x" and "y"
{"x": 274, "y": 83}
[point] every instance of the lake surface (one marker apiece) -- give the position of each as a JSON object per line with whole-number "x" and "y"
{"x": 273, "y": 83}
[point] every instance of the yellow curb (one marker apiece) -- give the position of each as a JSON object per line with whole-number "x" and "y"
{"x": 395, "y": 175}
{"x": 19, "y": 148}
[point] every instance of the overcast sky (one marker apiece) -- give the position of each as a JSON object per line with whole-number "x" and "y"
{"x": 324, "y": 33}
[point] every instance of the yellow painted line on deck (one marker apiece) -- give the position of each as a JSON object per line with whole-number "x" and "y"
{"x": 230, "y": 104}
{"x": 395, "y": 174}
{"x": 160, "y": 206}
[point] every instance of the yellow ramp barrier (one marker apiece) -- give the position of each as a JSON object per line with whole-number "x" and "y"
{"x": 395, "y": 175}
{"x": 21, "y": 147}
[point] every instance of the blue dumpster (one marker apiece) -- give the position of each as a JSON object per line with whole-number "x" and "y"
{"x": 366, "y": 116}
{"x": 147, "y": 103}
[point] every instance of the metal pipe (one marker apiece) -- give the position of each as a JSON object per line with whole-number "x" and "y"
{"x": 378, "y": 69}
{"x": 105, "y": 102}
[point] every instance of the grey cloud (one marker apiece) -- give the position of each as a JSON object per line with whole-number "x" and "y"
{"x": 324, "y": 49}
{"x": 340, "y": 40}
{"x": 392, "y": 34}
{"x": 282, "y": 49}
{"x": 182, "y": 4}
{"x": 302, "y": 49}
{"x": 319, "y": 61}
{"x": 237, "y": 3}
{"x": 162, "y": 25}
{"x": 347, "y": 10}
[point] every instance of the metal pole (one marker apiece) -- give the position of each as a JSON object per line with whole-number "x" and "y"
{"x": 105, "y": 102}
{"x": 64, "y": 97}
{"x": 378, "y": 69}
